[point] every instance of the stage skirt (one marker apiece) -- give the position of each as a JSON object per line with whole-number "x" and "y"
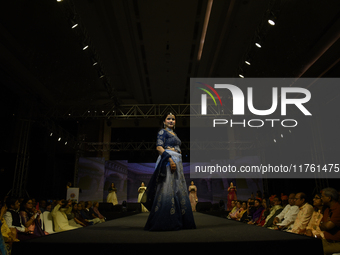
{"x": 171, "y": 208}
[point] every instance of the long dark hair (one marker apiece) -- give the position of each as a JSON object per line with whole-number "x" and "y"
{"x": 23, "y": 208}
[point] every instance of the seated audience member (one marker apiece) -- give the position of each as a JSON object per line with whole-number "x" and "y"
{"x": 82, "y": 204}
{"x": 96, "y": 211}
{"x": 262, "y": 219}
{"x": 34, "y": 202}
{"x": 59, "y": 214}
{"x": 288, "y": 214}
{"x": 259, "y": 195}
{"x": 257, "y": 213}
{"x": 284, "y": 199}
{"x": 72, "y": 218}
{"x": 3, "y": 249}
{"x": 242, "y": 211}
{"x": 42, "y": 205}
{"x": 13, "y": 219}
{"x": 233, "y": 206}
{"x": 87, "y": 214}
{"x": 48, "y": 207}
{"x": 313, "y": 227}
{"x": 30, "y": 218}
{"x": 238, "y": 207}
{"x": 330, "y": 223}
{"x": 9, "y": 235}
{"x": 274, "y": 211}
{"x": 250, "y": 210}
{"x": 304, "y": 215}
{"x": 80, "y": 219}
{"x": 271, "y": 200}
{"x": 54, "y": 204}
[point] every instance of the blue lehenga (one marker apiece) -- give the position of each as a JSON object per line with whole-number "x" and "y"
{"x": 166, "y": 196}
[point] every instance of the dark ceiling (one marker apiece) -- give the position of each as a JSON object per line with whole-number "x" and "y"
{"x": 148, "y": 50}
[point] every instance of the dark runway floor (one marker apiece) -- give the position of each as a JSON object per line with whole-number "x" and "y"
{"x": 126, "y": 236}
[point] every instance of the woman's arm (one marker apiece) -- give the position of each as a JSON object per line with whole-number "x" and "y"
{"x": 160, "y": 150}
{"x": 25, "y": 220}
{"x": 79, "y": 222}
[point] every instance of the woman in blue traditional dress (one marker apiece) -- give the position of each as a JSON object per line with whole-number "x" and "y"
{"x": 166, "y": 196}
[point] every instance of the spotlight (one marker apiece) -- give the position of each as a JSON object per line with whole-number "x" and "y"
{"x": 94, "y": 61}
{"x": 85, "y": 45}
{"x": 247, "y": 62}
{"x": 272, "y": 19}
{"x": 271, "y": 22}
{"x": 240, "y": 75}
{"x": 258, "y": 45}
{"x": 282, "y": 135}
{"x": 274, "y": 141}
{"x": 74, "y": 24}
{"x": 51, "y": 134}
{"x": 66, "y": 143}
{"x": 59, "y": 139}
{"x": 100, "y": 74}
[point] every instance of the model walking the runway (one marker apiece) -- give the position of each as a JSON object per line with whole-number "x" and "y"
{"x": 166, "y": 196}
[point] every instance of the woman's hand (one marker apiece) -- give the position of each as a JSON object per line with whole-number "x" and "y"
{"x": 172, "y": 165}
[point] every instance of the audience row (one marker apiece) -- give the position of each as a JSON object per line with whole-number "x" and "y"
{"x": 25, "y": 220}
{"x": 295, "y": 215}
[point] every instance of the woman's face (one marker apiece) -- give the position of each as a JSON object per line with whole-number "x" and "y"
{"x": 142, "y": 184}
{"x": 192, "y": 183}
{"x": 170, "y": 121}
{"x": 231, "y": 184}
{"x": 257, "y": 203}
{"x": 264, "y": 203}
{"x": 317, "y": 201}
{"x": 244, "y": 205}
{"x": 238, "y": 205}
{"x": 29, "y": 205}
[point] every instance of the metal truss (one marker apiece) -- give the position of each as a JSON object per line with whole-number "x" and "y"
{"x": 22, "y": 160}
{"x": 137, "y": 146}
{"x": 138, "y": 111}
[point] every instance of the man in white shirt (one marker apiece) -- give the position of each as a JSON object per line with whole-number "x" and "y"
{"x": 288, "y": 214}
{"x": 59, "y": 214}
{"x": 12, "y": 217}
{"x": 304, "y": 214}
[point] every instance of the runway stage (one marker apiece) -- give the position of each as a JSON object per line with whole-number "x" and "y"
{"x": 213, "y": 234}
